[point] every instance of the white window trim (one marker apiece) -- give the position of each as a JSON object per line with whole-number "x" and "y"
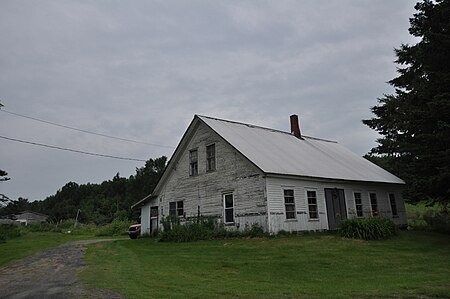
{"x": 215, "y": 160}
{"x": 362, "y": 203}
{"x": 224, "y": 208}
{"x": 307, "y": 203}
{"x": 284, "y": 203}
{"x": 370, "y": 203}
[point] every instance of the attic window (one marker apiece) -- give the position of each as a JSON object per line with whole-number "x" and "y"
{"x": 193, "y": 162}
{"x": 211, "y": 157}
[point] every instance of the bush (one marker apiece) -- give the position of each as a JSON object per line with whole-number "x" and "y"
{"x": 117, "y": 227}
{"x": 9, "y": 231}
{"x": 203, "y": 228}
{"x": 428, "y": 218}
{"x": 368, "y": 228}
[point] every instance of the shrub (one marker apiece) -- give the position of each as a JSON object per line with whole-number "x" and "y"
{"x": 203, "y": 228}
{"x": 368, "y": 228}
{"x": 117, "y": 227}
{"x": 9, "y": 231}
{"x": 430, "y": 218}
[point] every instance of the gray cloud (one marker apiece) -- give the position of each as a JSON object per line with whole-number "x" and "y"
{"x": 142, "y": 69}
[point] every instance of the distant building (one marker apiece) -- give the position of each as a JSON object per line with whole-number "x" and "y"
{"x": 27, "y": 217}
{"x": 243, "y": 174}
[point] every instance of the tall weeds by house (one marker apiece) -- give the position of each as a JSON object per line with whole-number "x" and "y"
{"x": 368, "y": 228}
{"x": 203, "y": 228}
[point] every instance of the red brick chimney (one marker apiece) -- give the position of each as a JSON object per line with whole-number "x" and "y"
{"x": 295, "y": 128}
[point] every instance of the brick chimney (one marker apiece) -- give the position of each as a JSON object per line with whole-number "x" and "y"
{"x": 295, "y": 128}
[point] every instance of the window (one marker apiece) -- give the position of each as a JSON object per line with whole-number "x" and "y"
{"x": 312, "y": 204}
{"x": 193, "y": 162}
{"x": 228, "y": 204}
{"x": 358, "y": 204}
{"x": 374, "y": 204}
{"x": 289, "y": 203}
{"x": 393, "y": 204}
{"x": 211, "y": 157}
{"x": 176, "y": 208}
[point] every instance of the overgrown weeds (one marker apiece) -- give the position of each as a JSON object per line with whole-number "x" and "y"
{"x": 368, "y": 228}
{"x": 203, "y": 228}
{"x": 428, "y": 218}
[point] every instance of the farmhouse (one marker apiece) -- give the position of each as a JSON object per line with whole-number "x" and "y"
{"x": 244, "y": 174}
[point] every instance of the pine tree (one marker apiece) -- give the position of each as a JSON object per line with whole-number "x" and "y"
{"x": 415, "y": 121}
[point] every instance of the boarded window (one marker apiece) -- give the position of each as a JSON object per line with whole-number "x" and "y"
{"x": 193, "y": 162}
{"x": 176, "y": 208}
{"x": 289, "y": 203}
{"x": 312, "y": 204}
{"x": 358, "y": 204}
{"x": 393, "y": 204}
{"x": 211, "y": 157}
{"x": 228, "y": 204}
{"x": 374, "y": 204}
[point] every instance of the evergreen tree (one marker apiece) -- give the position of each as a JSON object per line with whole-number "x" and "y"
{"x": 415, "y": 121}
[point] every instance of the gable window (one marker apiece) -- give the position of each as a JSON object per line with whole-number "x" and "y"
{"x": 393, "y": 204}
{"x": 373, "y": 203}
{"x": 312, "y": 204}
{"x": 228, "y": 205}
{"x": 176, "y": 208}
{"x": 193, "y": 162}
{"x": 211, "y": 157}
{"x": 358, "y": 204}
{"x": 289, "y": 203}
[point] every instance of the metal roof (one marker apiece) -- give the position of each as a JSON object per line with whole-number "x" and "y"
{"x": 278, "y": 152}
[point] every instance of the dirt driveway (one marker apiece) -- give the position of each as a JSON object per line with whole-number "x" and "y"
{"x": 51, "y": 273}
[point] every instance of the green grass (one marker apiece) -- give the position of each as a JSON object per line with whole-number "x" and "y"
{"x": 414, "y": 264}
{"x": 31, "y": 243}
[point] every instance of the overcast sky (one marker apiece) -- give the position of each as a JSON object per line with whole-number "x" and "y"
{"x": 142, "y": 69}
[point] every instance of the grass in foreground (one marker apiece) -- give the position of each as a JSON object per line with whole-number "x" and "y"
{"x": 31, "y": 243}
{"x": 414, "y": 264}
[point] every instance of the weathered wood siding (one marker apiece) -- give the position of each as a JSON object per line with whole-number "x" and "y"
{"x": 233, "y": 173}
{"x": 277, "y": 215}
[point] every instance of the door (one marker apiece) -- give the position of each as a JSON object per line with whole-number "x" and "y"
{"x": 153, "y": 220}
{"x": 336, "y": 209}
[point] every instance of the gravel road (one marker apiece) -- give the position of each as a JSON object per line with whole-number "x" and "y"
{"x": 51, "y": 273}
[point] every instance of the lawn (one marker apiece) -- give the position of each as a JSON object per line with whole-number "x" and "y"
{"x": 414, "y": 264}
{"x": 31, "y": 243}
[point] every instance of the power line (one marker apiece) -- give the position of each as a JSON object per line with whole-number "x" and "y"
{"x": 71, "y": 150}
{"x": 84, "y": 131}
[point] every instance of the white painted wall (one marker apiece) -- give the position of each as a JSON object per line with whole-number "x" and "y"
{"x": 275, "y": 200}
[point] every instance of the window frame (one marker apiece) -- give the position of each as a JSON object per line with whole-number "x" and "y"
{"x": 193, "y": 165}
{"x": 225, "y": 208}
{"x": 211, "y": 159}
{"x": 375, "y": 212}
{"x": 359, "y": 207}
{"x": 176, "y": 208}
{"x": 393, "y": 206}
{"x": 316, "y": 204}
{"x": 290, "y": 204}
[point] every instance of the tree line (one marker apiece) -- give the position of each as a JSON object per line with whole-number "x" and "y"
{"x": 98, "y": 203}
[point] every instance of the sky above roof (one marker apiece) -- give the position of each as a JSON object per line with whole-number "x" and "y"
{"x": 140, "y": 70}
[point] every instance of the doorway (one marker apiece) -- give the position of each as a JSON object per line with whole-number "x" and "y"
{"x": 153, "y": 220}
{"x": 336, "y": 209}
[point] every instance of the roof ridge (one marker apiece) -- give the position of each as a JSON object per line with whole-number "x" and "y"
{"x": 264, "y": 128}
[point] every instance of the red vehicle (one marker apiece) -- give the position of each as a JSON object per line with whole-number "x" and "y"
{"x": 134, "y": 231}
